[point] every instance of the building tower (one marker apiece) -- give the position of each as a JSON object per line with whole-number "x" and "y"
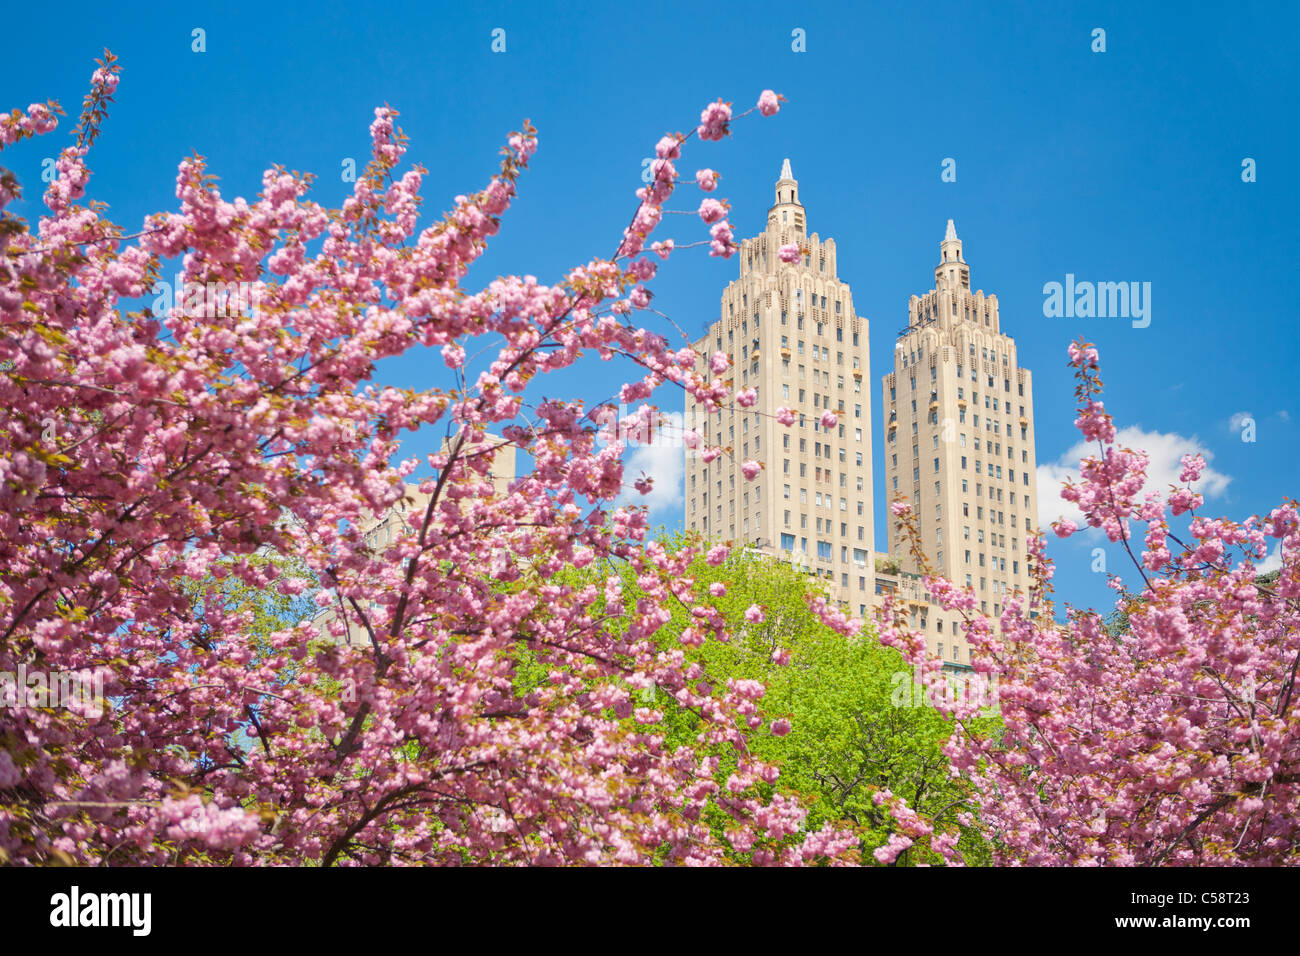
{"x": 792, "y": 335}
{"x": 958, "y": 411}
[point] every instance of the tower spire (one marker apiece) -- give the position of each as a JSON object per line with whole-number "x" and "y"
{"x": 787, "y": 211}
{"x": 952, "y": 271}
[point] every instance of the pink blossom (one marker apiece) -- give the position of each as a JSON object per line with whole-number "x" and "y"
{"x": 711, "y": 210}
{"x": 747, "y": 688}
{"x": 669, "y": 147}
{"x": 523, "y": 146}
{"x": 10, "y": 776}
{"x": 204, "y": 454}
{"x": 1082, "y": 355}
{"x": 1193, "y": 465}
{"x": 106, "y": 79}
{"x": 256, "y": 454}
{"x": 1184, "y": 500}
{"x": 750, "y": 469}
{"x": 789, "y": 253}
{"x": 895, "y": 845}
{"x": 721, "y": 239}
{"x": 453, "y": 356}
{"x": 1073, "y": 692}
{"x": 714, "y": 121}
{"x": 829, "y": 419}
{"x": 769, "y": 102}
{"x": 754, "y": 614}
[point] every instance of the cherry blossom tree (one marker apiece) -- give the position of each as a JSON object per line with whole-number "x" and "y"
{"x": 844, "y": 722}
{"x": 152, "y": 461}
{"x": 146, "y": 454}
{"x": 1175, "y": 741}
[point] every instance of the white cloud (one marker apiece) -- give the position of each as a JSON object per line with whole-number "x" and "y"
{"x": 664, "y": 460}
{"x": 1271, "y": 563}
{"x": 1165, "y": 451}
{"x": 1238, "y": 420}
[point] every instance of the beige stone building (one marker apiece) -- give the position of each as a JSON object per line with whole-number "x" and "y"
{"x": 958, "y": 430}
{"x": 794, "y": 337}
{"x": 959, "y": 444}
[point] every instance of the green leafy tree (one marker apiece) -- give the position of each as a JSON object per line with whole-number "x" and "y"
{"x": 857, "y": 725}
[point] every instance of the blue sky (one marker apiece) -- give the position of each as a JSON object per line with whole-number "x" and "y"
{"x": 1122, "y": 165}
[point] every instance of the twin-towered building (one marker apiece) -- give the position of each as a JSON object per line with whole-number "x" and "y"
{"x": 958, "y": 429}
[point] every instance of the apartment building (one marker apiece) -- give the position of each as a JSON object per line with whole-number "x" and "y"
{"x": 958, "y": 412}
{"x": 958, "y": 430}
{"x": 793, "y": 336}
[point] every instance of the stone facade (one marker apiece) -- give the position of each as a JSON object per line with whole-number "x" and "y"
{"x": 958, "y": 430}
{"x": 958, "y": 414}
{"x": 794, "y": 337}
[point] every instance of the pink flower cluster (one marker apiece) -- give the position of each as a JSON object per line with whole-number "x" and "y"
{"x": 1165, "y": 741}
{"x": 200, "y": 456}
{"x": 715, "y": 120}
